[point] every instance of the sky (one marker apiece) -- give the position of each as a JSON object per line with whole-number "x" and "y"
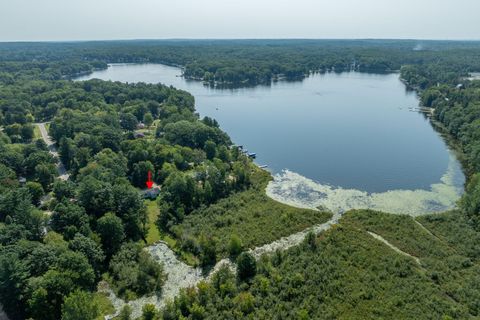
{"x": 57, "y": 20}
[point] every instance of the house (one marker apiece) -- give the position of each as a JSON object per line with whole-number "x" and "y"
{"x": 139, "y": 135}
{"x": 460, "y": 86}
{"x": 152, "y": 193}
{"x": 140, "y": 125}
{"x": 22, "y": 180}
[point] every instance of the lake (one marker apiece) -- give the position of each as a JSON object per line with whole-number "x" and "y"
{"x": 339, "y": 141}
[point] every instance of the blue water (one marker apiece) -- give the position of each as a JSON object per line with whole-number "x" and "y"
{"x": 350, "y": 130}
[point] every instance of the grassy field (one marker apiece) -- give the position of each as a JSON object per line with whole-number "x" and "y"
{"x": 154, "y": 234}
{"x": 152, "y": 212}
{"x": 104, "y": 304}
{"x": 36, "y": 133}
{"x": 250, "y": 215}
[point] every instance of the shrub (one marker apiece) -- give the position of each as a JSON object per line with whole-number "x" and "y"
{"x": 246, "y": 266}
{"x": 235, "y": 246}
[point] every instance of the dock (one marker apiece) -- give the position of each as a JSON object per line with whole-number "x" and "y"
{"x": 426, "y": 110}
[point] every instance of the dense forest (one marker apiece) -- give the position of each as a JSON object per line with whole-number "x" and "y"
{"x": 250, "y": 62}
{"x": 59, "y": 238}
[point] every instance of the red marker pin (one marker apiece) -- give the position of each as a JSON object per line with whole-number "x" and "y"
{"x": 149, "y": 181}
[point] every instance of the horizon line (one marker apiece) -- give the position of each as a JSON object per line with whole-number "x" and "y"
{"x": 240, "y": 39}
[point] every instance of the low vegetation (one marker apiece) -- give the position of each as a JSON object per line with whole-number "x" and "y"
{"x": 248, "y": 219}
{"x": 345, "y": 273}
{"x": 134, "y": 272}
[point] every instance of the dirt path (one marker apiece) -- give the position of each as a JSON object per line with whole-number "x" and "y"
{"x": 425, "y": 229}
{"x": 62, "y": 172}
{"x": 396, "y": 249}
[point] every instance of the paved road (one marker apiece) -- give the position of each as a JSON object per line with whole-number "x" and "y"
{"x": 62, "y": 172}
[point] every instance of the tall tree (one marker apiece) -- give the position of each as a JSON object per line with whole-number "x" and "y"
{"x": 111, "y": 231}
{"x": 80, "y": 305}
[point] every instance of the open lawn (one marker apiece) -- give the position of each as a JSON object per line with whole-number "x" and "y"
{"x": 105, "y": 306}
{"x": 154, "y": 234}
{"x": 36, "y": 133}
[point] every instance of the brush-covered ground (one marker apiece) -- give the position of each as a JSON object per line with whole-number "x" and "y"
{"x": 245, "y": 220}
{"x": 347, "y": 273}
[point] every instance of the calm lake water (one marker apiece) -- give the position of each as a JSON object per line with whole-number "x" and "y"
{"x": 349, "y": 131}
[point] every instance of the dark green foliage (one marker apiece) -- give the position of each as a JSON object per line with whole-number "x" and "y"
{"x": 95, "y": 195}
{"x": 129, "y": 206}
{"x": 13, "y": 280}
{"x": 46, "y": 293}
{"x": 70, "y": 219}
{"x": 80, "y": 305}
{"x": 90, "y": 123}
{"x": 134, "y": 270}
{"x": 193, "y": 134}
{"x": 128, "y": 121}
{"x": 149, "y": 312}
{"x": 66, "y": 152}
{"x": 11, "y": 232}
{"x": 352, "y": 275}
{"x": 235, "y": 246}
{"x": 140, "y": 173}
{"x": 246, "y": 266}
{"x": 36, "y": 191}
{"x": 19, "y": 132}
{"x": 78, "y": 267}
{"x": 17, "y": 205}
{"x": 210, "y": 149}
{"x": 125, "y": 313}
{"x": 148, "y": 119}
{"x": 44, "y": 174}
{"x": 111, "y": 231}
{"x": 470, "y": 202}
{"x": 89, "y": 249}
{"x": 208, "y": 255}
{"x": 311, "y": 240}
{"x": 8, "y": 178}
{"x": 63, "y": 190}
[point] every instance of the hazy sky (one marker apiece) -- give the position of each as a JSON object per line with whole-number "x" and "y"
{"x": 159, "y": 19}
